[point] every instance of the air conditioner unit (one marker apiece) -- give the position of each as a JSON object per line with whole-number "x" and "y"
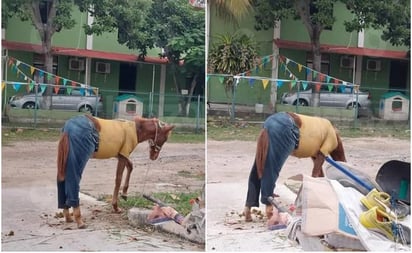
{"x": 373, "y": 65}
{"x": 76, "y": 64}
{"x": 102, "y": 67}
{"x": 347, "y": 62}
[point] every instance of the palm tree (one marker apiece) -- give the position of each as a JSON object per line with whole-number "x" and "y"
{"x": 231, "y": 10}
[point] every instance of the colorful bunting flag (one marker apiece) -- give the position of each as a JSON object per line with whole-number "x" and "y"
{"x": 16, "y": 86}
{"x": 3, "y": 85}
{"x": 300, "y": 67}
{"x": 265, "y": 83}
{"x": 304, "y": 85}
{"x": 43, "y": 87}
{"x": 280, "y": 83}
{"x": 56, "y": 89}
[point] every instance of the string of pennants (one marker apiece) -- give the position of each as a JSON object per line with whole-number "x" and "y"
{"x": 21, "y": 69}
{"x": 284, "y": 64}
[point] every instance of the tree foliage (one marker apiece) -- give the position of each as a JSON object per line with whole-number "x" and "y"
{"x": 392, "y": 17}
{"x": 232, "y": 54}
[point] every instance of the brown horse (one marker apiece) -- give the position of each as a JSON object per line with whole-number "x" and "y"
{"x": 313, "y": 137}
{"x": 116, "y": 138}
{"x": 310, "y": 145}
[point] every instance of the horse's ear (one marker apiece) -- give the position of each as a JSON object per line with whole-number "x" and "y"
{"x": 169, "y": 128}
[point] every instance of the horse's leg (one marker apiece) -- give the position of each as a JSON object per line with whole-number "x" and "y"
{"x": 318, "y": 161}
{"x": 119, "y": 174}
{"x": 129, "y": 167}
{"x": 78, "y": 217}
{"x": 67, "y": 216}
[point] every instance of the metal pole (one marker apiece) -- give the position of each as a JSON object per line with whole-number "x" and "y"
{"x": 232, "y": 115}
{"x": 349, "y": 173}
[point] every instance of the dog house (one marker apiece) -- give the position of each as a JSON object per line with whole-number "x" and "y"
{"x": 127, "y": 107}
{"x": 394, "y": 106}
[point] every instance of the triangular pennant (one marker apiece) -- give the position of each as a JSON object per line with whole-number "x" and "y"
{"x": 321, "y": 77}
{"x": 49, "y": 76}
{"x": 251, "y": 82}
{"x": 342, "y": 88}
{"x": 221, "y": 79}
{"x": 327, "y": 79}
{"x": 82, "y": 91}
{"x": 336, "y": 81}
{"x": 308, "y": 71}
{"x": 287, "y": 61}
{"x": 293, "y": 83}
{"x": 56, "y": 89}
{"x": 3, "y": 85}
{"x": 314, "y": 75}
{"x": 304, "y": 85}
{"x": 317, "y": 87}
{"x": 279, "y": 83}
{"x": 17, "y": 62}
{"x": 43, "y": 87}
{"x": 300, "y": 67}
{"x": 16, "y": 86}
{"x": 69, "y": 90}
{"x": 56, "y": 80}
{"x": 64, "y": 81}
{"x": 32, "y": 70}
{"x": 41, "y": 74}
{"x": 31, "y": 85}
{"x": 330, "y": 87}
{"x": 265, "y": 83}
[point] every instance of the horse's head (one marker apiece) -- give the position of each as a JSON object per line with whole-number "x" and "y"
{"x": 155, "y": 132}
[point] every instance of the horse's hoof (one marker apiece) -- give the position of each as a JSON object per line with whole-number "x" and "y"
{"x": 117, "y": 210}
{"x": 82, "y": 226}
{"x": 248, "y": 214}
{"x": 69, "y": 220}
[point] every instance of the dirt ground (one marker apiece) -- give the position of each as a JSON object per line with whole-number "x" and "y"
{"x": 29, "y": 201}
{"x": 29, "y": 195}
{"x": 228, "y": 167}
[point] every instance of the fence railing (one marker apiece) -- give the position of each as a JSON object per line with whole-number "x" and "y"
{"x": 186, "y": 112}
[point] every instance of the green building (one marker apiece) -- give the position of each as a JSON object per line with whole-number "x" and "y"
{"x": 96, "y": 61}
{"x": 357, "y": 58}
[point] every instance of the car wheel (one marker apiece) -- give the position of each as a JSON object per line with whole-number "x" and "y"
{"x": 302, "y": 102}
{"x": 352, "y": 105}
{"x": 29, "y": 105}
{"x": 85, "y": 108}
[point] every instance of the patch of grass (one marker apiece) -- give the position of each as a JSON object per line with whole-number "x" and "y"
{"x": 10, "y": 135}
{"x": 222, "y": 130}
{"x": 179, "y": 201}
{"x": 13, "y": 134}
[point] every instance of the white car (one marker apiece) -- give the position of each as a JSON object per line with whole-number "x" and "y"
{"x": 75, "y": 101}
{"x": 335, "y": 98}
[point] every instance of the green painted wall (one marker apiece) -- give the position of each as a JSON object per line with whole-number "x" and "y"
{"x": 373, "y": 40}
{"x": 294, "y": 30}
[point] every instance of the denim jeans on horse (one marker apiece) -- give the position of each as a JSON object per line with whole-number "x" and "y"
{"x": 283, "y": 139}
{"x": 83, "y": 141}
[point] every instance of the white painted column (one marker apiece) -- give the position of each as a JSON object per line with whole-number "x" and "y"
{"x": 162, "y": 89}
{"x": 89, "y": 46}
{"x": 358, "y": 64}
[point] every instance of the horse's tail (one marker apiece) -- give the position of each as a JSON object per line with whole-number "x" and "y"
{"x": 62, "y": 154}
{"x": 261, "y": 151}
{"x": 339, "y": 153}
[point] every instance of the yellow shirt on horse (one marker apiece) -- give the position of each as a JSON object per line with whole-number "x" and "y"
{"x": 315, "y": 132}
{"x": 116, "y": 137}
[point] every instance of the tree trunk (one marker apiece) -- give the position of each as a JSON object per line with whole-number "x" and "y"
{"x": 46, "y": 31}
{"x": 317, "y": 62}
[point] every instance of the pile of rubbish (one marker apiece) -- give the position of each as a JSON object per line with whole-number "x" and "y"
{"x": 348, "y": 211}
